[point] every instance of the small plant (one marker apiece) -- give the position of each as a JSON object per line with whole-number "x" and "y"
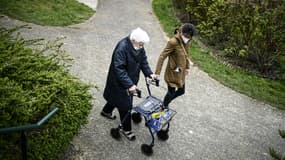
{"x": 273, "y": 153}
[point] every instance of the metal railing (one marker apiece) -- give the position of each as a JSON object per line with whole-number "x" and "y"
{"x": 25, "y": 128}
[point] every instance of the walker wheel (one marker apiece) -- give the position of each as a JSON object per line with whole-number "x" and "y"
{"x": 136, "y": 117}
{"x": 147, "y": 149}
{"x": 163, "y": 135}
{"x": 146, "y": 124}
{"x": 115, "y": 133}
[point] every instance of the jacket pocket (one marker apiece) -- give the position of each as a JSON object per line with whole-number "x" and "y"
{"x": 174, "y": 77}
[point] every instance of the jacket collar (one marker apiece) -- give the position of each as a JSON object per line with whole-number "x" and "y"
{"x": 134, "y": 53}
{"x": 178, "y": 37}
{"x": 130, "y": 45}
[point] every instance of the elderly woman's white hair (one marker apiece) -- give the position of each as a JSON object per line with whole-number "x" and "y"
{"x": 139, "y": 35}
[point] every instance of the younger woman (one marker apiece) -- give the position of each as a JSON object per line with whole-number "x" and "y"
{"x": 178, "y": 62}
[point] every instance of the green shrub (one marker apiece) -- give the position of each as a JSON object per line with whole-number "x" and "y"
{"x": 251, "y": 31}
{"x": 213, "y": 27}
{"x": 32, "y": 83}
{"x": 198, "y": 10}
{"x": 257, "y": 33}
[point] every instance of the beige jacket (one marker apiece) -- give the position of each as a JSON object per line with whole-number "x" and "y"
{"x": 177, "y": 57}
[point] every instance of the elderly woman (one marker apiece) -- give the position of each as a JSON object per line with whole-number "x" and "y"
{"x": 178, "y": 62}
{"x": 128, "y": 59}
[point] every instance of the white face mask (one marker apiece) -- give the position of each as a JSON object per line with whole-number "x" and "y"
{"x": 137, "y": 48}
{"x": 185, "y": 40}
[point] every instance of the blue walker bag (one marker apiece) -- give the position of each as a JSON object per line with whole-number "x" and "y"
{"x": 159, "y": 119}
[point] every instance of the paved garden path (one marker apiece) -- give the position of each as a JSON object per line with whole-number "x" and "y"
{"x": 213, "y": 122}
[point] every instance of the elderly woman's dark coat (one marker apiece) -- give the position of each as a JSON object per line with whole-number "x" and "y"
{"x": 124, "y": 72}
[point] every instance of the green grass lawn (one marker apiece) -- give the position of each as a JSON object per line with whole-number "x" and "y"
{"x": 269, "y": 91}
{"x": 46, "y": 12}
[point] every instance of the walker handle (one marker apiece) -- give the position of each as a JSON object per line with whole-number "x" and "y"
{"x": 138, "y": 93}
{"x": 156, "y": 82}
{"x": 153, "y": 82}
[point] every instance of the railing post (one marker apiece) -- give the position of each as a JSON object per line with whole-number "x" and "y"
{"x": 24, "y": 145}
{"x": 24, "y": 129}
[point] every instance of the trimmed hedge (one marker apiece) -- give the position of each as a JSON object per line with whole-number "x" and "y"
{"x": 32, "y": 83}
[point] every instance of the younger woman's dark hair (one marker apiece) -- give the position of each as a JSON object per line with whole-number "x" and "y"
{"x": 176, "y": 30}
{"x": 188, "y": 28}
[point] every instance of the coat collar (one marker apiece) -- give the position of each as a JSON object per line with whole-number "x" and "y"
{"x": 133, "y": 52}
{"x": 130, "y": 45}
{"x": 179, "y": 38}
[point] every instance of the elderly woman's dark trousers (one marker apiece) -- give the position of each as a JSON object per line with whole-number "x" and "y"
{"x": 172, "y": 93}
{"x": 127, "y": 122}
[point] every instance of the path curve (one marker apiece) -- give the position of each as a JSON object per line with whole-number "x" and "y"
{"x": 213, "y": 121}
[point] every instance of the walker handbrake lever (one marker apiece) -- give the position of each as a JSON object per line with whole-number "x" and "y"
{"x": 156, "y": 82}
{"x": 153, "y": 82}
{"x": 138, "y": 93}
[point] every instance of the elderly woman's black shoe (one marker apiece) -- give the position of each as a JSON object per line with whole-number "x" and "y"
{"x": 108, "y": 115}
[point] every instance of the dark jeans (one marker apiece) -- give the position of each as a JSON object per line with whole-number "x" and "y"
{"x": 172, "y": 93}
{"x": 125, "y": 116}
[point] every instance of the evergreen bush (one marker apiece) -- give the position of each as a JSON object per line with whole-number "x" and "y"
{"x": 32, "y": 83}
